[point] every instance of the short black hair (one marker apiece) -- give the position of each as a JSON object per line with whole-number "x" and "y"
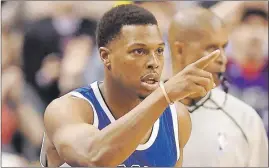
{"x": 112, "y": 21}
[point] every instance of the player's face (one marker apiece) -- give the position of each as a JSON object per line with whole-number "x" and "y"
{"x": 137, "y": 58}
{"x": 210, "y": 40}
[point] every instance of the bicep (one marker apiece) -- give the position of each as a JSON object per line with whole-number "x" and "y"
{"x": 69, "y": 131}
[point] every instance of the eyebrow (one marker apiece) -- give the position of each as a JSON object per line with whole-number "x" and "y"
{"x": 142, "y": 44}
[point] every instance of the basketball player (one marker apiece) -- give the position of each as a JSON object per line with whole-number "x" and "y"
{"x": 225, "y": 131}
{"x": 128, "y": 119}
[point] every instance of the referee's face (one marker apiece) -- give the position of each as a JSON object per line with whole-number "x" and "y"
{"x": 211, "y": 39}
{"x": 137, "y": 58}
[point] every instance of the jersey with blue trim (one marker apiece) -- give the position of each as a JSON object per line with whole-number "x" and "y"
{"x": 161, "y": 149}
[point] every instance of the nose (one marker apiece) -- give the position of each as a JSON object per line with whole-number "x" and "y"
{"x": 153, "y": 62}
{"x": 222, "y": 59}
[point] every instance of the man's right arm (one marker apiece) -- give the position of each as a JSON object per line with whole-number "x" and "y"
{"x": 79, "y": 143}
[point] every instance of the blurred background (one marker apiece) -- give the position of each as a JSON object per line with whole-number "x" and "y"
{"x": 49, "y": 48}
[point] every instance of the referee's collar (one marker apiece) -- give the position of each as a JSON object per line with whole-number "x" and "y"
{"x": 200, "y": 102}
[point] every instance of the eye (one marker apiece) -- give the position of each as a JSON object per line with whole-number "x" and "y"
{"x": 160, "y": 51}
{"x": 139, "y": 51}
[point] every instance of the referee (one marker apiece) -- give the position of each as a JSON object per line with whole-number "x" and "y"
{"x": 225, "y": 131}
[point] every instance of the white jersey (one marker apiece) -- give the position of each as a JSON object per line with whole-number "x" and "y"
{"x": 230, "y": 134}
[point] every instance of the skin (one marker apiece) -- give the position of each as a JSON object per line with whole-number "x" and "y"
{"x": 193, "y": 37}
{"x": 71, "y": 138}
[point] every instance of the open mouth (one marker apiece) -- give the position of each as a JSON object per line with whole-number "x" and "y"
{"x": 150, "y": 81}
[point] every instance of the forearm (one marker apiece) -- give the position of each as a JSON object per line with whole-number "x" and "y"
{"x": 74, "y": 138}
{"x": 121, "y": 138}
{"x": 117, "y": 141}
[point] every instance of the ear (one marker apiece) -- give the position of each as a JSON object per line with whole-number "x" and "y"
{"x": 178, "y": 47}
{"x": 178, "y": 59}
{"x": 105, "y": 56}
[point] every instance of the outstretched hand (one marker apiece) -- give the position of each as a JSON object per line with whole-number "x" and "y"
{"x": 192, "y": 80}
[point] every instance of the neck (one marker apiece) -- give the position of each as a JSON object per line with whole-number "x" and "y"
{"x": 119, "y": 99}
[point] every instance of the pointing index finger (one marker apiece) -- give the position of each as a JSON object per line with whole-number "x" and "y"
{"x": 205, "y": 61}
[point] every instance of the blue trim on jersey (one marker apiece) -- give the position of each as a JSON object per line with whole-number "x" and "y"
{"x": 161, "y": 153}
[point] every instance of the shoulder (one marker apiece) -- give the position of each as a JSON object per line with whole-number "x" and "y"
{"x": 66, "y": 110}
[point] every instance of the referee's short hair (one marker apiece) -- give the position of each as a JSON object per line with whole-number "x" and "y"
{"x": 112, "y": 21}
